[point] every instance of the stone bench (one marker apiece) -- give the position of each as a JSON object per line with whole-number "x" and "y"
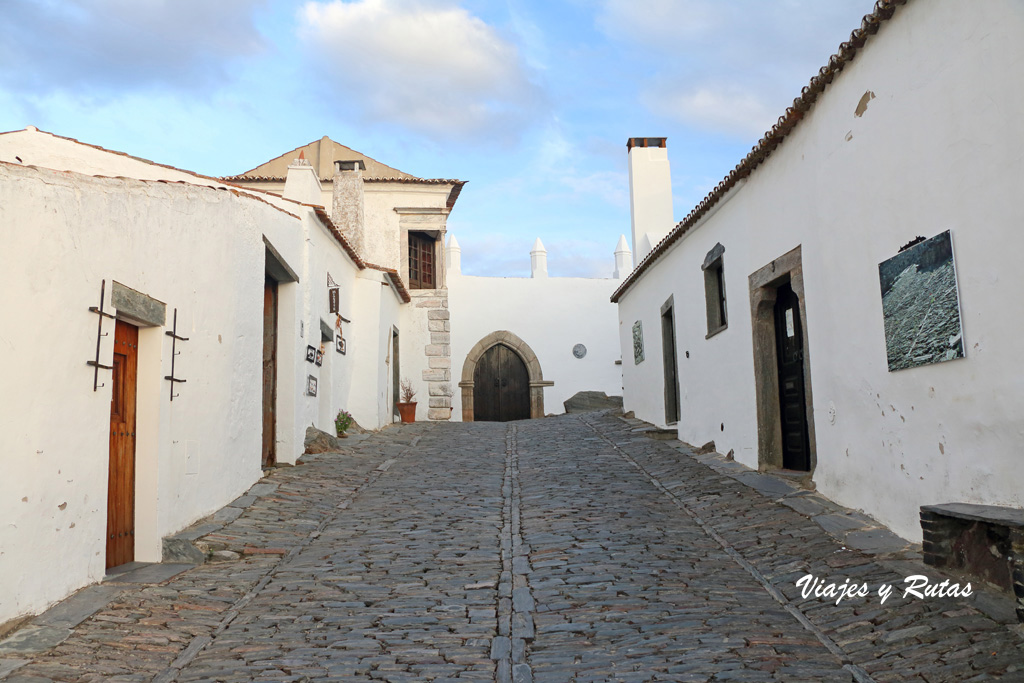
{"x": 985, "y": 541}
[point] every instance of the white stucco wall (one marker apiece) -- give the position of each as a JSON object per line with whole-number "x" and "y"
{"x": 939, "y": 147}
{"x": 196, "y": 249}
{"x": 551, "y": 315}
{"x": 383, "y": 233}
{"x": 38, "y": 148}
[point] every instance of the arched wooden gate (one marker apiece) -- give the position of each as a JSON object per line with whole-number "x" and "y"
{"x": 503, "y": 356}
{"x": 501, "y": 386}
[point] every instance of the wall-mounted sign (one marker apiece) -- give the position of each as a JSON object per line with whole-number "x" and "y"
{"x": 310, "y": 354}
{"x": 319, "y": 358}
{"x": 638, "y": 342}
{"x": 579, "y": 350}
{"x": 311, "y": 385}
{"x": 333, "y": 297}
{"x": 920, "y": 305}
{"x": 340, "y": 345}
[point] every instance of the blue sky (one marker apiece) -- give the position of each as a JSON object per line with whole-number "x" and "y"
{"x": 530, "y": 101}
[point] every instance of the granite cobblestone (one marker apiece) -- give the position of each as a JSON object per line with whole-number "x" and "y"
{"x": 565, "y": 549}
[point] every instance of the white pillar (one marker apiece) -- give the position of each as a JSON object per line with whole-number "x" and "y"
{"x": 453, "y": 254}
{"x": 623, "y": 259}
{"x": 538, "y": 260}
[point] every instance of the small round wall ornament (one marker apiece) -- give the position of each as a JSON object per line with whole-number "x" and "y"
{"x": 579, "y": 350}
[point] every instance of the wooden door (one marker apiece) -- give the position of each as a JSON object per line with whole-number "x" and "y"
{"x": 789, "y": 342}
{"x": 121, "y": 475}
{"x": 501, "y": 386}
{"x": 668, "y": 350}
{"x": 269, "y": 372}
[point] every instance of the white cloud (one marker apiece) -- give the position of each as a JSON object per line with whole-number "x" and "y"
{"x": 727, "y": 109}
{"x": 730, "y": 67}
{"x": 659, "y": 22}
{"x": 97, "y": 45}
{"x": 427, "y": 65}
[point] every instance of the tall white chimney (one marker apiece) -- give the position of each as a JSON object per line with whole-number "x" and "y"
{"x": 538, "y": 260}
{"x": 650, "y": 192}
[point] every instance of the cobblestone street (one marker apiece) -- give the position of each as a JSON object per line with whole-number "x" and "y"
{"x": 566, "y": 549}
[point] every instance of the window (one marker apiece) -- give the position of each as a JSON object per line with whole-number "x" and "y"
{"x": 714, "y": 291}
{"x": 421, "y": 261}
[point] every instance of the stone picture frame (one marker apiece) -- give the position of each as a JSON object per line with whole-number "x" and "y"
{"x": 311, "y": 385}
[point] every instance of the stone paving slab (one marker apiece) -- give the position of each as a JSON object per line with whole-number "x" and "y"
{"x": 32, "y": 639}
{"x": 149, "y": 573}
{"x": 9, "y": 665}
{"x": 79, "y": 607}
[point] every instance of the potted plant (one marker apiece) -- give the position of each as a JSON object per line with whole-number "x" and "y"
{"x": 407, "y": 407}
{"x": 342, "y": 422}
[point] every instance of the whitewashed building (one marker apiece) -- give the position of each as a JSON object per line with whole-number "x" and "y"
{"x": 758, "y": 322}
{"x": 205, "y": 323}
{"x": 203, "y": 327}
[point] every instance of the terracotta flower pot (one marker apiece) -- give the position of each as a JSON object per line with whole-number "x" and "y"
{"x": 407, "y": 411}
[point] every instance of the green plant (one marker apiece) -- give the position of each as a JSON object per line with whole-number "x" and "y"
{"x": 408, "y": 393}
{"x": 343, "y": 421}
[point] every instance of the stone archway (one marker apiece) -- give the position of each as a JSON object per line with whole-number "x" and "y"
{"x": 523, "y": 350}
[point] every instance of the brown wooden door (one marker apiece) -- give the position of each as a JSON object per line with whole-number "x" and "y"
{"x": 269, "y": 372}
{"x": 501, "y": 386}
{"x": 789, "y": 342}
{"x": 121, "y": 477}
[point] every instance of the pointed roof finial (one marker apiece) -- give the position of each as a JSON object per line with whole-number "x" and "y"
{"x": 453, "y": 243}
{"x": 623, "y": 246}
{"x": 538, "y": 246}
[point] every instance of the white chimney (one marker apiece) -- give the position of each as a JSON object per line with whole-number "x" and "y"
{"x": 650, "y": 192}
{"x": 538, "y": 260}
{"x": 453, "y": 255}
{"x": 623, "y": 259}
{"x": 301, "y": 183}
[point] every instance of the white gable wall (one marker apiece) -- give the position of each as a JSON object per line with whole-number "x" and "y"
{"x": 551, "y": 315}
{"x": 939, "y": 147}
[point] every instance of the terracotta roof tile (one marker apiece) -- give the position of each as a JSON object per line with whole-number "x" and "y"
{"x": 395, "y": 280}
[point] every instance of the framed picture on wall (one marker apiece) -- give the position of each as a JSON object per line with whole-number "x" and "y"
{"x": 310, "y": 354}
{"x": 340, "y": 345}
{"x": 921, "y": 304}
{"x": 311, "y": 385}
{"x": 319, "y": 358}
{"x": 638, "y": 342}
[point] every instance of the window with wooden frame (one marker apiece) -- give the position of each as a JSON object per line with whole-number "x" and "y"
{"x": 422, "y": 274}
{"x": 714, "y": 290}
